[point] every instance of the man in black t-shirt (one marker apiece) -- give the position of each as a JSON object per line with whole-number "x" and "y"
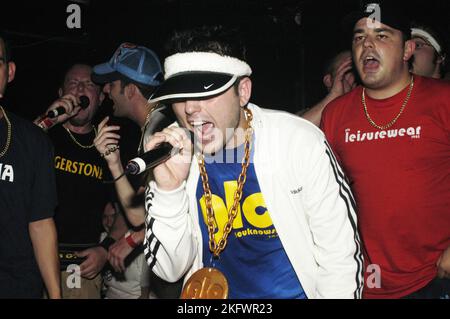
{"x": 82, "y": 195}
{"x": 28, "y": 244}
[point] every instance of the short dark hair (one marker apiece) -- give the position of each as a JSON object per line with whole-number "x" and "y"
{"x": 6, "y": 48}
{"x": 216, "y": 39}
{"x": 69, "y": 67}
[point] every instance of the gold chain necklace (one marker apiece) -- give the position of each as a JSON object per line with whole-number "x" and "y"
{"x": 217, "y": 248}
{"x": 78, "y": 143}
{"x": 8, "y": 135}
{"x": 388, "y": 125}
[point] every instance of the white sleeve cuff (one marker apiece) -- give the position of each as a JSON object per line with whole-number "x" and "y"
{"x": 166, "y": 204}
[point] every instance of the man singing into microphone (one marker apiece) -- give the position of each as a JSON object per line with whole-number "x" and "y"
{"x": 261, "y": 209}
{"x": 80, "y": 172}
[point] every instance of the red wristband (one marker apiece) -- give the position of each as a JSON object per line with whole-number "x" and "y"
{"x": 130, "y": 240}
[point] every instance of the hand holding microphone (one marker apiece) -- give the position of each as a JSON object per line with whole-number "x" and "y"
{"x": 169, "y": 153}
{"x": 61, "y": 110}
{"x": 68, "y": 99}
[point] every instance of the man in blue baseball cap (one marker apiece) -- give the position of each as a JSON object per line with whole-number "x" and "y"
{"x": 132, "y": 69}
{"x": 130, "y": 77}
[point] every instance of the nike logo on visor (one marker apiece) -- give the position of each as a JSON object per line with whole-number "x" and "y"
{"x": 206, "y": 87}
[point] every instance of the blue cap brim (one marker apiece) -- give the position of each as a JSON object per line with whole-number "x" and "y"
{"x": 103, "y": 68}
{"x": 103, "y": 73}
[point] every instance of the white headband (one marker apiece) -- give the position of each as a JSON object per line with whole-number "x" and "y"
{"x": 206, "y": 62}
{"x": 428, "y": 37}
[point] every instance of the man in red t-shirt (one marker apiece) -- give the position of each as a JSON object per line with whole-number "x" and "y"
{"x": 392, "y": 137}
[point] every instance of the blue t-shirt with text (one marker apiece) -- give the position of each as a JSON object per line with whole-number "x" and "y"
{"x": 254, "y": 260}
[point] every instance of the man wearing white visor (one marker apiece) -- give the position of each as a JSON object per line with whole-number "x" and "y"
{"x": 430, "y": 52}
{"x": 258, "y": 207}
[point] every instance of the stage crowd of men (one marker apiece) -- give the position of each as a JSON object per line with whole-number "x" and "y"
{"x": 348, "y": 198}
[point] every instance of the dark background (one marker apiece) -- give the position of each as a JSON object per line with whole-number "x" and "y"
{"x": 288, "y": 40}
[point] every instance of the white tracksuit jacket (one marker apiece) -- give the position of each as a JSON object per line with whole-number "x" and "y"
{"x": 309, "y": 201}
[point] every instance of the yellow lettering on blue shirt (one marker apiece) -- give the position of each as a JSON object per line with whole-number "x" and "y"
{"x": 259, "y": 222}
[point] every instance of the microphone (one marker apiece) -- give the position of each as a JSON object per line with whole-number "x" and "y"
{"x": 153, "y": 158}
{"x": 84, "y": 103}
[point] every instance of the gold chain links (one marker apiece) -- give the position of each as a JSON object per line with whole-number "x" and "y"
{"x": 78, "y": 143}
{"x": 388, "y": 125}
{"x": 8, "y": 136}
{"x": 217, "y": 248}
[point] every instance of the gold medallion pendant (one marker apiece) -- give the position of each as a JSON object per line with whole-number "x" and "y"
{"x": 206, "y": 283}
{"x": 210, "y": 283}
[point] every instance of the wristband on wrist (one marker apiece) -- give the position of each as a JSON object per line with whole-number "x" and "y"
{"x": 107, "y": 242}
{"x": 130, "y": 240}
